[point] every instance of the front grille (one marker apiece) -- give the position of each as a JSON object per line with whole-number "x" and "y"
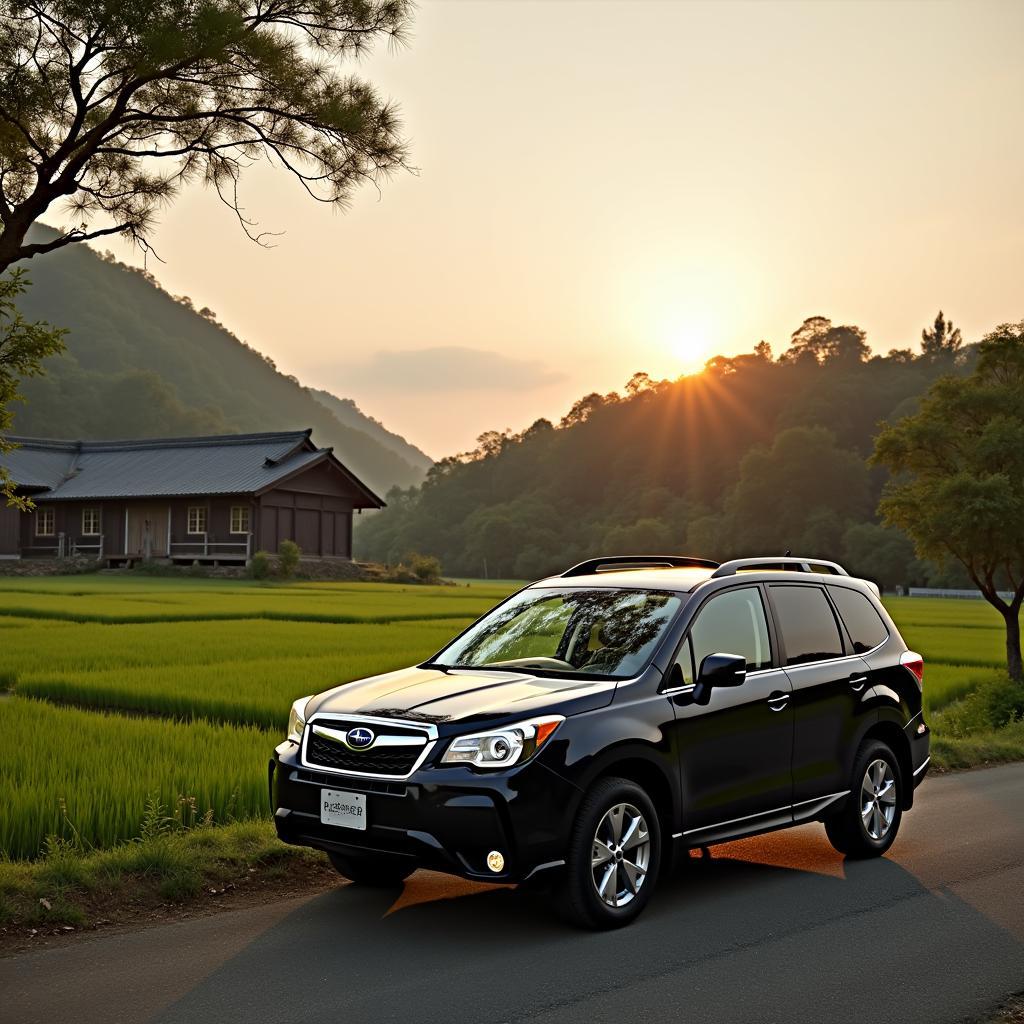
{"x": 375, "y": 760}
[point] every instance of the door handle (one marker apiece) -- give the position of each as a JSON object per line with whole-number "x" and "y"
{"x": 778, "y": 701}
{"x": 858, "y": 682}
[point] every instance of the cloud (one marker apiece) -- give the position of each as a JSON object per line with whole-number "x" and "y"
{"x": 448, "y": 368}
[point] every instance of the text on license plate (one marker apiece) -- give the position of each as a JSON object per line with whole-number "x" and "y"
{"x": 340, "y": 808}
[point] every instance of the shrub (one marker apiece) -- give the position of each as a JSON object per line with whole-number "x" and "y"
{"x": 991, "y": 706}
{"x": 424, "y": 567}
{"x": 259, "y": 565}
{"x": 288, "y": 554}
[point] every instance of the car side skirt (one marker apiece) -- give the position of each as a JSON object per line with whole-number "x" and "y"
{"x": 758, "y": 824}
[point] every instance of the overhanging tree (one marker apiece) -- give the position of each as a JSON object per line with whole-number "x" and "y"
{"x": 109, "y": 107}
{"x": 958, "y": 488}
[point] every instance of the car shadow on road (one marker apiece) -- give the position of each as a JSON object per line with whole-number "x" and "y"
{"x": 727, "y": 938}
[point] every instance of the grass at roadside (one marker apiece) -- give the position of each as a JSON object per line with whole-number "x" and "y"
{"x": 88, "y": 777}
{"x": 979, "y": 749}
{"x": 71, "y": 888}
{"x": 984, "y": 727}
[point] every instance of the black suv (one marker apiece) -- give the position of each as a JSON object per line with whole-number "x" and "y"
{"x": 595, "y": 723}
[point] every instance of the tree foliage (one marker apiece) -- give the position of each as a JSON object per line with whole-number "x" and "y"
{"x": 752, "y": 455}
{"x": 110, "y": 106}
{"x": 959, "y": 489}
{"x": 23, "y": 347}
{"x": 942, "y": 340}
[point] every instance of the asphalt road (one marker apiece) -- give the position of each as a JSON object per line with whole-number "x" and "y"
{"x": 778, "y": 928}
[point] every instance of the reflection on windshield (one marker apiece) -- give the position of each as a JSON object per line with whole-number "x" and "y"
{"x": 607, "y": 633}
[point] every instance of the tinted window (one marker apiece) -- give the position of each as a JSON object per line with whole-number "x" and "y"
{"x": 863, "y": 623}
{"x": 604, "y": 632}
{"x": 732, "y": 623}
{"x": 809, "y": 629}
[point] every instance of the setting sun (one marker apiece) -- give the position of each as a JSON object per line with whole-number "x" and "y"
{"x": 685, "y": 341}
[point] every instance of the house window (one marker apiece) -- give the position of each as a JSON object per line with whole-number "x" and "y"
{"x": 197, "y": 519}
{"x": 239, "y": 518}
{"x": 90, "y": 522}
{"x": 46, "y": 524}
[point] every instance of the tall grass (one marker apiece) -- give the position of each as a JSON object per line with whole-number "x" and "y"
{"x": 933, "y": 611}
{"x": 984, "y": 648}
{"x": 115, "y": 600}
{"x": 944, "y": 683}
{"x": 50, "y": 647}
{"x": 257, "y": 692}
{"x": 87, "y": 777}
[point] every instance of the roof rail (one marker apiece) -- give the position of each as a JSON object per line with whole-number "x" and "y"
{"x": 779, "y": 562}
{"x": 621, "y": 562}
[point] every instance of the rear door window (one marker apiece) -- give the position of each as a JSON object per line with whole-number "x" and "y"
{"x": 808, "y": 626}
{"x": 862, "y": 621}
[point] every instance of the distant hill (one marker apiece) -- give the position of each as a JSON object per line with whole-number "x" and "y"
{"x": 346, "y": 412}
{"x": 141, "y": 363}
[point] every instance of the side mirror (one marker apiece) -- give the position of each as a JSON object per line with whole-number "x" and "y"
{"x": 719, "y": 670}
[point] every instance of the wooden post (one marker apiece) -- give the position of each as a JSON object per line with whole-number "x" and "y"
{"x": 99, "y": 554}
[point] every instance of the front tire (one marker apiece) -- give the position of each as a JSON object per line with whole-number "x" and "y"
{"x": 867, "y": 825}
{"x": 614, "y": 857}
{"x": 377, "y": 871}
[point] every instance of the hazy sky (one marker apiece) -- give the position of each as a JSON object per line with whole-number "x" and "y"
{"x": 611, "y": 187}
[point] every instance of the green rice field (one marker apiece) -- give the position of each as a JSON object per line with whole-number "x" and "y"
{"x": 123, "y": 690}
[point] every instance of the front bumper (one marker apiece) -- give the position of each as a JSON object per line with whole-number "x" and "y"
{"x": 447, "y": 819}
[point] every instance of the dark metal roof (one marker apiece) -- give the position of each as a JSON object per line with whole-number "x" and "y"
{"x": 165, "y": 467}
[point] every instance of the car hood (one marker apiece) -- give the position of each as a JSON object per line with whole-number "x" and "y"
{"x": 460, "y": 695}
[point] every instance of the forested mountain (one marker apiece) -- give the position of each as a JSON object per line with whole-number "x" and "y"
{"x": 346, "y": 411}
{"x": 141, "y": 363}
{"x": 753, "y": 455}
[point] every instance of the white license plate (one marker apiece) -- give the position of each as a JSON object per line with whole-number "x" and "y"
{"x": 345, "y": 809}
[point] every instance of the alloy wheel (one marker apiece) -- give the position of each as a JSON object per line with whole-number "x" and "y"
{"x": 878, "y": 799}
{"x": 620, "y": 855}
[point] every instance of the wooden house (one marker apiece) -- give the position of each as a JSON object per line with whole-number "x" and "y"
{"x": 206, "y": 499}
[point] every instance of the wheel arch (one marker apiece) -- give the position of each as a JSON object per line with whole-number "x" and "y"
{"x": 893, "y": 736}
{"x": 652, "y": 778}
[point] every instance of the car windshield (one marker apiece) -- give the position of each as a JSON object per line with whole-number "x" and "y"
{"x": 603, "y": 633}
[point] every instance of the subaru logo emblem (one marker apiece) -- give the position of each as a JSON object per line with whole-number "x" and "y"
{"x": 359, "y": 738}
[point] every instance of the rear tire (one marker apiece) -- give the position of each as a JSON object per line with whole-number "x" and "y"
{"x": 613, "y": 859}
{"x": 867, "y": 824}
{"x": 378, "y": 871}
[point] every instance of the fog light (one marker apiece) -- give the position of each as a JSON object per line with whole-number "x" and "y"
{"x": 495, "y": 861}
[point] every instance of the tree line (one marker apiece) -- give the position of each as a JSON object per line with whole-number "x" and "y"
{"x": 755, "y": 454}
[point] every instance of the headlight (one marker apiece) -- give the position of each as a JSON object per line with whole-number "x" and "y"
{"x": 501, "y": 748}
{"x": 297, "y": 719}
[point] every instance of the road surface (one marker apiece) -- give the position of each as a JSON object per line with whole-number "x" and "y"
{"x": 778, "y": 928}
